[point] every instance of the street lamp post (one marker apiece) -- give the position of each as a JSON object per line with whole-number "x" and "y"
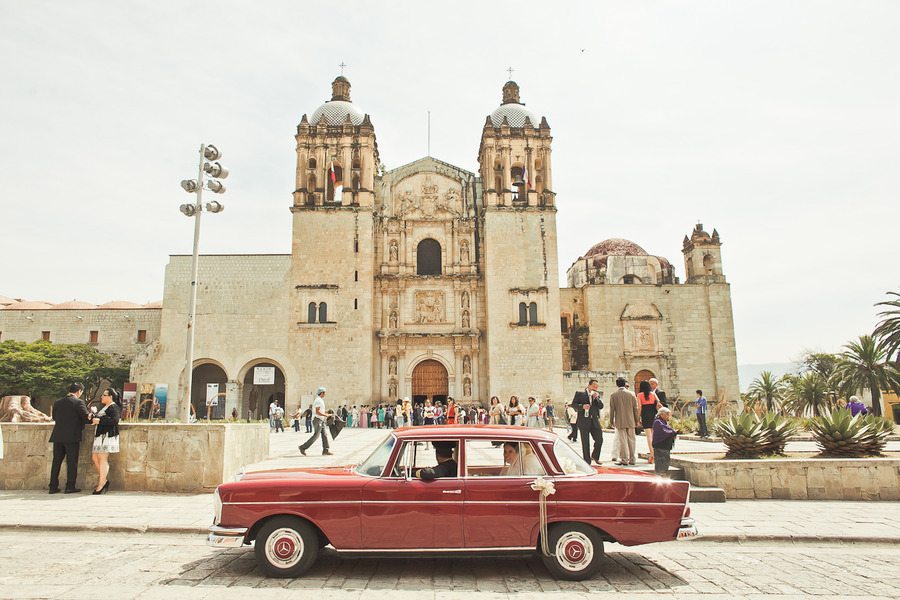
{"x": 195, "y": 186}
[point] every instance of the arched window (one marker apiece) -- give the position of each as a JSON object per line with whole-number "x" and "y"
{"x": 323, "y": 313}
{"x": 338, "y": 182}
{"x": 428, "y": 257}
{"x": 312, "y": 163}
{"x": 311, "y": 314}
{"x": 523, "y": 313}
{"x": 708, "y": 264}
{"x": 532, "y": 313}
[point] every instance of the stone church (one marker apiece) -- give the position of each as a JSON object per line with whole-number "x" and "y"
{"x": 430, "y": 281}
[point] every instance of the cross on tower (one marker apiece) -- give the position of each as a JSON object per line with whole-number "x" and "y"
{"x": 342, "y": 65}
{"x": 510, "y": 71}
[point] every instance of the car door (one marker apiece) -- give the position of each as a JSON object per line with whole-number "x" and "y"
{"x": 500, "y": 511}
{"x": 400, "y": 511}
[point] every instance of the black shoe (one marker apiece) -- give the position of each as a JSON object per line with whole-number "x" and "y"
{"x": 72, "y": 490}
{"x": 302, "y": 451}
{"x": 105, "y": 488}
{"x": 54, "y": 491}
{"x": 327, "y": 453}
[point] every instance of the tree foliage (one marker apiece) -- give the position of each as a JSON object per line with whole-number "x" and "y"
{"x": 767, "y": 390}
{"x": 808, "y": 394}
{"x": 888, "y": 329}
{"x": 44, "y": 369}
{"x": 864, "y": 365}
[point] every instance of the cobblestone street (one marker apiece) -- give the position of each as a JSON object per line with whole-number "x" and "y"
{"x": 147, "y": 566}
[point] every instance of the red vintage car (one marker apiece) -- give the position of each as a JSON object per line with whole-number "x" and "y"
{"x": 452, "y": 489}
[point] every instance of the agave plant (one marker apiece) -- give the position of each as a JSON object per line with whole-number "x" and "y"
{"x": 839, "y": 434}
{"x": 877, "y": 430}
{"x": 778, "y": 429}
{"x": 743, "y": 434}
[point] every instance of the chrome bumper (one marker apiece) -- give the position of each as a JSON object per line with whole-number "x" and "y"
{"x": 687, "y": 531}
{"x": 226, "y": 537}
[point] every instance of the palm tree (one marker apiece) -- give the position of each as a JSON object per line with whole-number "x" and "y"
{"x": 864, "y": 365}
{"x": 808, "y": 393}
{"x": 768, "y": 389}
{"x": 888, "y": 329}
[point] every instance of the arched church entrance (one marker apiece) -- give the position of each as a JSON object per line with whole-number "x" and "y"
{"x": 208, "y": 382}
{"x": 430, "y": 381}
{"x": 642, "y": 376}
{"x": 263, "y": 383}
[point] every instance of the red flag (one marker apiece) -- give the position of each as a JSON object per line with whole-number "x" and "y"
{"x": 331, "y": 171}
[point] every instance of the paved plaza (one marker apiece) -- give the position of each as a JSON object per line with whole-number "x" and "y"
{"x": 141, "y": 545}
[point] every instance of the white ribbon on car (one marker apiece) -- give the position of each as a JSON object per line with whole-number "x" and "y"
{"x": 545, "y": 488}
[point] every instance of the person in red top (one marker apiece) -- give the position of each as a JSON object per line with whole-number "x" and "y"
{"x": 451, "y": 411}
{"x": 649, "y": 405}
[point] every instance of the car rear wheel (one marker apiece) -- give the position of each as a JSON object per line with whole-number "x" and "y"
{"x": 577, "y": 550}
{"x": 286, "y": 547}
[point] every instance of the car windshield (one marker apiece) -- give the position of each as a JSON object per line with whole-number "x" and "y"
{"x": 570, "y": 461}
{"x": 374, "y": 465}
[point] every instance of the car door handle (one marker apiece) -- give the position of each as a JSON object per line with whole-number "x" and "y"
{"x": 453, "y": 491}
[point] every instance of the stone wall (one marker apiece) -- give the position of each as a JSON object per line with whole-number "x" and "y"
{"x": 800, "y": 479}
{"x": 154, "y": 457}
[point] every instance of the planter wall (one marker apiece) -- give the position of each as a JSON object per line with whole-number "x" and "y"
{"x": 154, "y": 457}
{"x": 797, "y": 479}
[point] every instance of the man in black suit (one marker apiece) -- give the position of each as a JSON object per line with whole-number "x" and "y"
{"x": 446, "y": 467}
{"x": 71, "y": 415}
{"x": 589, "y": 405}
{"x": 654, "y": 387}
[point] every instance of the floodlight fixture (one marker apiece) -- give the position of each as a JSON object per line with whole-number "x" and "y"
{"x": 189, "y": 185}
{"x": 215, "y": 186}
{"x": 211, "y": 153}
{"x": 215, "y": 170}
{"x": 214, "y": 206}
{"x": 189, "y": 210}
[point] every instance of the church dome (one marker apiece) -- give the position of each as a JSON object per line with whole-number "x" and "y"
{"x": 118, "y": 304}
{"x": 33, "y": 305}
{"x": 336, "y": 110}
{"x": 513, "y": 110}
{"x": 616, "y": 247}
{"x": 74, "y": 305}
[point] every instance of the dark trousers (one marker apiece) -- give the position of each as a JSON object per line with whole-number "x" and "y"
{"x": 701, "y": 419}
{"x": 597, "y": 434}
{"x": 279, "y": 424}
{"x": 70, "y": 453}
{"x": 318, "y": 429}
{"x": 662, "y": 458}
{"x": 308, "y": 425}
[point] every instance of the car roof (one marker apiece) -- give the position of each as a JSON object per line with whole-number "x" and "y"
{"x": 475, "y": 431}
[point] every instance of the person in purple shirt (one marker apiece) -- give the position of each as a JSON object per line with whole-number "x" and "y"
{"x": 663, "y": 440}
{"x": 856, "y": 407}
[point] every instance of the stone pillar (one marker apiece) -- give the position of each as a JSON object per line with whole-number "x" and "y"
{"x": 233, "y": 391}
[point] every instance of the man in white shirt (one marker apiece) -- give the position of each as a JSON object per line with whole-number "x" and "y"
{"x": 272, "y": 406}
{"x": 319, "y": 429}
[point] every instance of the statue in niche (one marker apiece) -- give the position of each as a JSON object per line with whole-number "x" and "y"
{"x": 467, "y": 364}
{"x": 392, "y": 365}
{"x": 464, "y": 301}
{"x": 465, "y": 319}
{"x": 392, "y": 389}
{"x": 464, "y": 252}
{"x": 393, "y": 319}
{"x": 467, "y": 388}
{"x": 394, "y": 251}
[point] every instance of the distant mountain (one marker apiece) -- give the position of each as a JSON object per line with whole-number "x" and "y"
{"x": 747, "y": 373}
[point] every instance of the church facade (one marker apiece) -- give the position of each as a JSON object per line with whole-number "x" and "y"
{"x": 430, "y": 281}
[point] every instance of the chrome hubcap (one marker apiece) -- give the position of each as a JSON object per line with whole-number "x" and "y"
{"x": 574, "y": 551}
{"x": 284, "y": 548}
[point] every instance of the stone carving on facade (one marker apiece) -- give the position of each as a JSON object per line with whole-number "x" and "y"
{"x": 464, "y": 300}
{"x": 465, "y": 319}
{"x": 429, "y": 201}
{"x": 430, "y": 307}
{"x": 392, "y": 388}
{"x": 393, "y": 319}
{"x": 467, "y": 388}
{"x": 467, "y": 364}
{"x": 464, "y": 252}
{"x": 394, "y": 251}
{"x": 392, "y": 365}
{"x": 394, "y": 303}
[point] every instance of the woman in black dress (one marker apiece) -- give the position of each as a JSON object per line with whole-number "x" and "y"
{"x": 649, "y": 403}
{"x": 106, "y": 437}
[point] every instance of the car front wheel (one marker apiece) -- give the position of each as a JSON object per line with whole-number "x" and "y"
{"x": 577, "y": 550}
{"x": 286, "y": 547}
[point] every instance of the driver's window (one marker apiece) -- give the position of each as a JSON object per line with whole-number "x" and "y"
{"x": 413, "y": 455}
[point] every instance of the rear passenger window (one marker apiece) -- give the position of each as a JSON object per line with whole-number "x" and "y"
{"x": 501, "y": 458}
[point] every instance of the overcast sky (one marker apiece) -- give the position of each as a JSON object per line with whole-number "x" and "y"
{"x": 777, "y": 123}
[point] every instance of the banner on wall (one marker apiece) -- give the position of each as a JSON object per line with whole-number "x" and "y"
{"x": 263, "y": 375}
{"x": 129, "y": 400}
{"x": 160, "y": 398}
{"x": 145, "y": 401}
{"x": 212, "y": 394}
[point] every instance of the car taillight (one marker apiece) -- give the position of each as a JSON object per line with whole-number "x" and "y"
{"x": 687, "y": 511}
{"x": 217, "y": 508}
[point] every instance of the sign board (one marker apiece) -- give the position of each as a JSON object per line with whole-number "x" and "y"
{"x": 263, "y": 375}
{"x": 160, "y": 400}
{"x": 212, "y": 394}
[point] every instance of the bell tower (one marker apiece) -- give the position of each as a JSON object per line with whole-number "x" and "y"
{"x": 524, "y": 344}
{"x": 703, "y": 257}
{"x": 332, "y": 254}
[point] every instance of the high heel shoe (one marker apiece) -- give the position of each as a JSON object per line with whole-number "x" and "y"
{"x": 101, "y": 490}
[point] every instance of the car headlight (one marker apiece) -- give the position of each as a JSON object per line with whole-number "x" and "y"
{"x": 217, "y": 508}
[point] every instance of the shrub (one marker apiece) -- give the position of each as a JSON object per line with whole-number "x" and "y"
{"x": 777, "y": 431}
{"x": 744, "y": 435}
